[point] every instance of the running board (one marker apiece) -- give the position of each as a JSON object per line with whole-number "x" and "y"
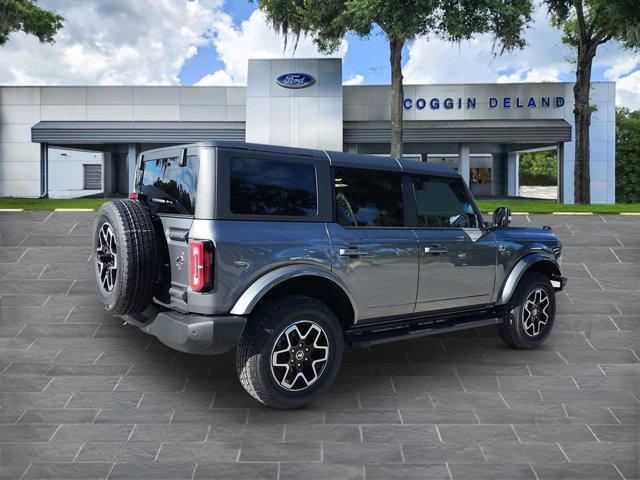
{"x": 368, "y": 338}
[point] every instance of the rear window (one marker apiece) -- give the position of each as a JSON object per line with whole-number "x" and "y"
{"x": 169, "y": 187}
{"x": 272, "y": 187}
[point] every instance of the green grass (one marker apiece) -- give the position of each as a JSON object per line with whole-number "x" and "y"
{"x": 542, "y": 206}
{"x": 51, "y": 203}
{"x": 530, "y": 206}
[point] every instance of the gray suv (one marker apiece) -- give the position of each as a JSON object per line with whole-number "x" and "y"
{"x": 288, "y": 254}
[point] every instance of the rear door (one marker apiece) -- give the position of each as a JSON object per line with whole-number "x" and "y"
{"x": 169, "y": 181}
{"x": 457, "y": 255}
{"x": 371, "y": 249}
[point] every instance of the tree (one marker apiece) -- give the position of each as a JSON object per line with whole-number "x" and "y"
{"x": 627, "y": 156}
{"x": 587, "y": 24}
{"x": 28, "y": 17}
{"x": 328, "y": 21}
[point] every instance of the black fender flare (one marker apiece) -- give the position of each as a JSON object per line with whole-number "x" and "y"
{"x": 524, "y": 265}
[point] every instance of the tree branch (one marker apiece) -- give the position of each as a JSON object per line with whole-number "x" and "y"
{"x": 580, "y": 14}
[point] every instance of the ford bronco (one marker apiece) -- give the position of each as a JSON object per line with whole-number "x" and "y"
{"x": 289, "y": 253}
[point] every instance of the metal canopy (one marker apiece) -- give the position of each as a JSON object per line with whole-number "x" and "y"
{"x": 446, "y": 131}
{"x": 70, "y": 133}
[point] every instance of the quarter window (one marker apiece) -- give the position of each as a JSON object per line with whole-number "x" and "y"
{"x": 272, "y": 187}
{"x": 443, "y": 203}
{"x": 366, "y": 198}
{"x": 169, "y": 187}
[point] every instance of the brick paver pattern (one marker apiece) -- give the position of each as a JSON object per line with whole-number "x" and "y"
{"x": 84, "y": 396}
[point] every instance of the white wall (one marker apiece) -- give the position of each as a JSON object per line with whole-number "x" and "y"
{"x": 23, "y": 107}
{"x": 371, "y": 103}
{"x": 308, "y": 117}
{"x": 66, "y": 172}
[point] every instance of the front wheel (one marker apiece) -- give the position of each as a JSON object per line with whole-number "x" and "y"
{"x": 290, "y": 352}
{"x": 530, "y": 313}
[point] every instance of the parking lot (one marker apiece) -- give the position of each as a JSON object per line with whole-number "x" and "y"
{"x": 83, "y": 396}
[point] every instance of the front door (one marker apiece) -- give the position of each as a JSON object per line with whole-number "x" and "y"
{"x": 457, "y": 255}
{"x": 371, "y": 250}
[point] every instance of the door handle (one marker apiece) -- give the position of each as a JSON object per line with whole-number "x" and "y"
{"x": 348, "y": 252}
{"x": 435, "y": 249}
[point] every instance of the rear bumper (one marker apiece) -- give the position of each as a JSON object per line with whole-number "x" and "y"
{"x": 190, "y": 333}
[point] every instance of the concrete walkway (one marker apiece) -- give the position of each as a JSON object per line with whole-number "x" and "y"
{"x": 83, "y": 396}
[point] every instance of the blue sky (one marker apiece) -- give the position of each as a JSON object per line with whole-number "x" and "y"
{"x": 365, "y": 56}
{"x": 208, "y": 42}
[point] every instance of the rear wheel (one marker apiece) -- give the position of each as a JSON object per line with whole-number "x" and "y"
{"x": 530, "y": 313}
{"x": 290, "y": 352}
{"x": 126, "y": 257}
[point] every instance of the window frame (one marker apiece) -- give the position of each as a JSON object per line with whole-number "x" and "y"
{"x": 469, "y": 196}
{"x": 406, "y": 205}
{"x": 223, "y": 185}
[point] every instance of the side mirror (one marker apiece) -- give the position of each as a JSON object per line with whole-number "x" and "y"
{"x": 502, "y": 217}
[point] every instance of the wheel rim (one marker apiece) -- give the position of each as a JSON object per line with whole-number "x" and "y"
{"x": 535, "y": 312}
{"x": 299, "y": 355}
{"x": 107, "y": 258}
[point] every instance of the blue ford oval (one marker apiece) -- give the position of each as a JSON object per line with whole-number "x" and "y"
{"x": 295, "y": 80}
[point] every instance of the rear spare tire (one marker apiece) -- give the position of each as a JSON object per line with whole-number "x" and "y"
{"x": 126, "y": 258}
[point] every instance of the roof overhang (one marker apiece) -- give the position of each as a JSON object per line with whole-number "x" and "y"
{"x": 473, "y": 131}
{"x": 70, "y": 133}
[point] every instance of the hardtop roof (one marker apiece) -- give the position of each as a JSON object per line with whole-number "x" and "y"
{"x": 339, "y": 159}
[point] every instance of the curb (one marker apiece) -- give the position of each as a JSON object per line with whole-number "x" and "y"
{"x": 73, "y": 210}
{"x": 11, "y": 209}
{"x": 630, "y": 213}
{"x": 571, "y": 213}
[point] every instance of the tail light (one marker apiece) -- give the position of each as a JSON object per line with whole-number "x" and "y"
{"x": 201, "y": 271}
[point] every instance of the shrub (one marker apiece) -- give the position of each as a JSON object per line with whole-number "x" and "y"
{"x": 627, "y": 156}
{"x": 539, "y": 168}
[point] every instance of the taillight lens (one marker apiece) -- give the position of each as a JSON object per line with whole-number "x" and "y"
{"x": 201, "y": 271}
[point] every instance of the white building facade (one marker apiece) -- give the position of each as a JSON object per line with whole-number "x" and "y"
{"x": 480, "y": 129}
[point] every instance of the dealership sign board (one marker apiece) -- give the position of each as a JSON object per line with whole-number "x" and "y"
{"x": 295, "y": 80}
{"x": 469, "y": 103}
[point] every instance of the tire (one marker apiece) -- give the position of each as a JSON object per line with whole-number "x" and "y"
{"x": 272, "y": 329}
{"x": 126, "y": 257}
{"x": 520, "y": 327}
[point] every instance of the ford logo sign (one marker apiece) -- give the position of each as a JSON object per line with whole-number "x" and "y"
{"x": 295, "y": 80}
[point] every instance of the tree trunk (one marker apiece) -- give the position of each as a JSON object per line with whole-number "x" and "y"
{"x": 582, "y": 113}
{"x": 397, "y": 96}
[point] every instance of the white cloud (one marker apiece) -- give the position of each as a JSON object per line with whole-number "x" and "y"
{"x": 544, "y": 59}
{"x": 114, "y": 42}
{"x": 531, "y": 75}
{"x": 253, "y": 39}
{"x": 357, "y": 79}
{"x": 628, "y": 91}
{"x": 432, "y": 60}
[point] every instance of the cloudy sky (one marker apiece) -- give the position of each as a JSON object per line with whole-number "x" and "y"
{"x": 208, "y": 42}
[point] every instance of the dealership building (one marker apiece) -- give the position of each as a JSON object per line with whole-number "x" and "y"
{"x": 75, "y": 141}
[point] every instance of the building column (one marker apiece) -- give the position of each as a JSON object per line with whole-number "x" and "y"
{"x": 561, "y": 172}
{"x": 498, "y": 184}
{"x": 132, "y": 156}
{"x": 44, "y": 170}
{"x": 463, "y": 161}
{"x": 513, "y": 164}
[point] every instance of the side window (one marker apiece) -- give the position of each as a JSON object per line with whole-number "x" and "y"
{"x": 443, "y": 203}
{"x": 271, "y": 187}
{"x": 366, "y": 198}
{"x": 169, "y": 187}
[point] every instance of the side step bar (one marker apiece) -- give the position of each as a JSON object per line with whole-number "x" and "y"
{"x": 375, "y": 337}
